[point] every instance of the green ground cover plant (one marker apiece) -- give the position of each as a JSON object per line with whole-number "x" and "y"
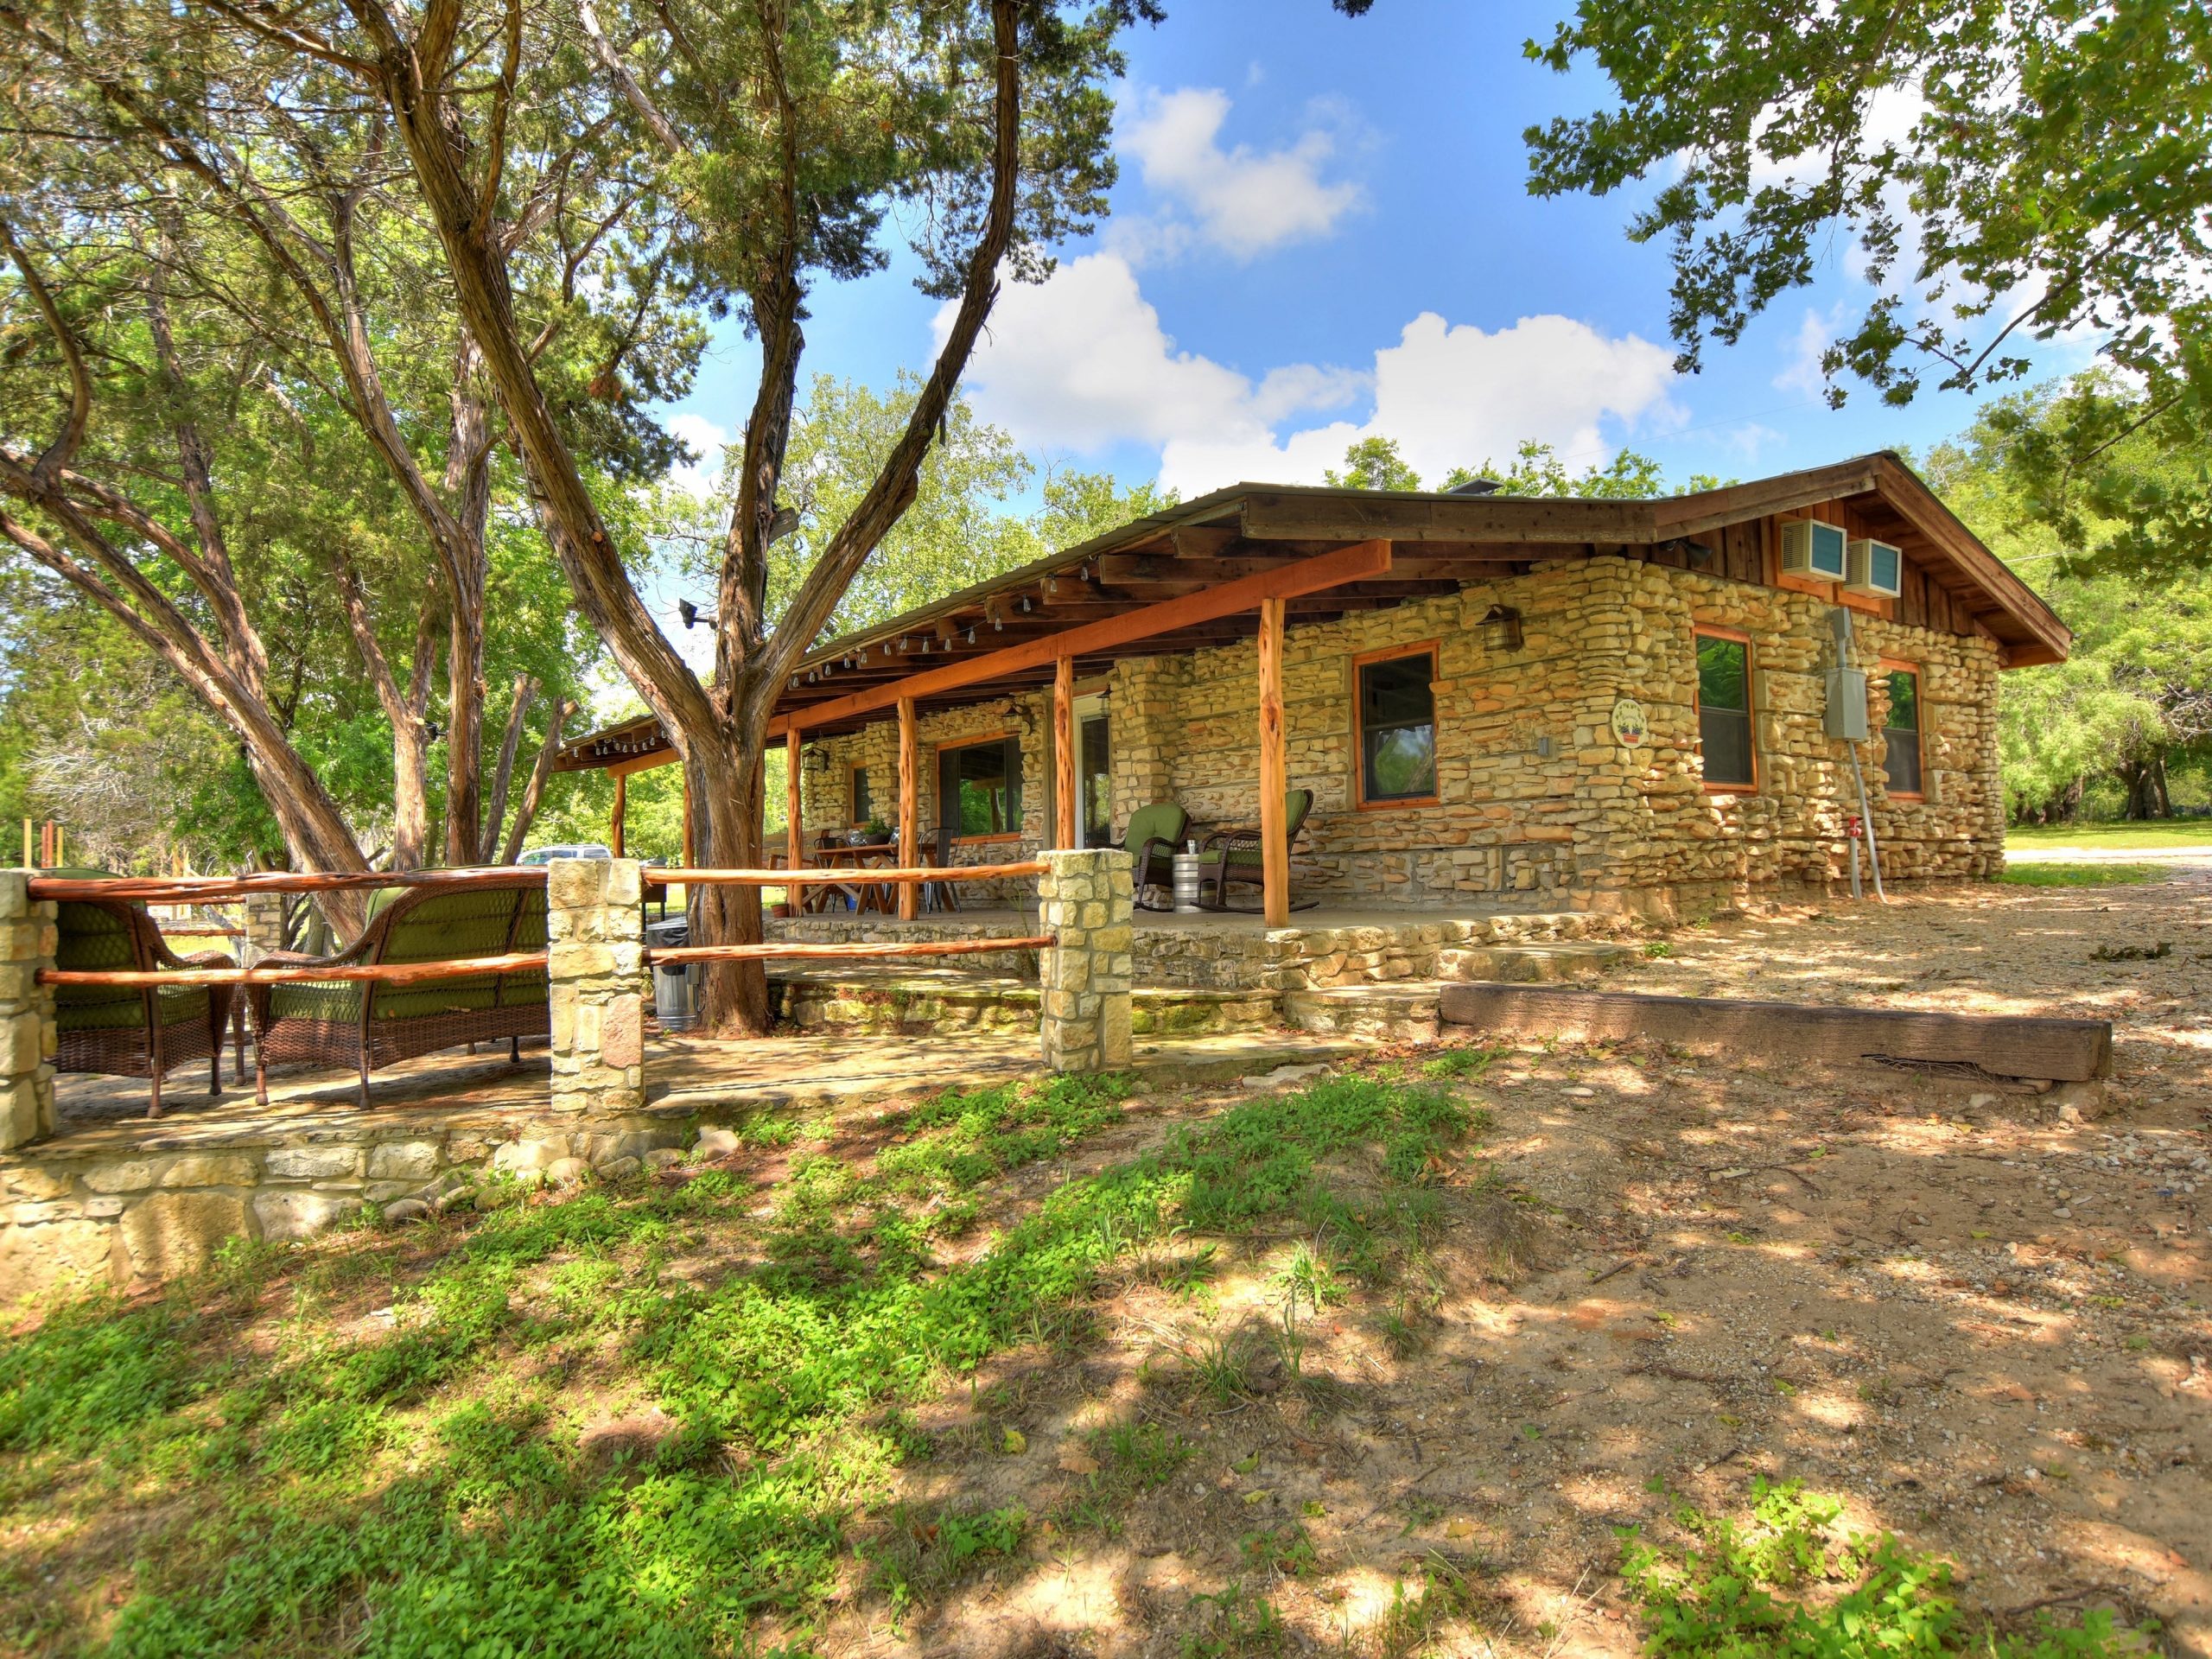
{"x": 373, "y": 1445}
{"x": 1791, "y": 1582}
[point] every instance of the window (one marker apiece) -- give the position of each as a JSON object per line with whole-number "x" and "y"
{"x": 1094, "y": 774}
{"x": 1901, "y": 733}
{"x": 979, "y": 787}
{"x": 1724, "y": 711}
{"x": 1397, "y": 726}
{"x": 863, "y": 804}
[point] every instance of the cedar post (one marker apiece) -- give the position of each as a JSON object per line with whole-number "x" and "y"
{"x": 1063, "y": 752}
{"x": 794, "y": 830}
{"x": 909, "y": 810}
{"x": 621, "y": 811}
{"x": 1274, "y": 857}
{"x": 688, "y": 838}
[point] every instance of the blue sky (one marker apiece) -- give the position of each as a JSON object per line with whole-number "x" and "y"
{"x": 1322, "y": 230}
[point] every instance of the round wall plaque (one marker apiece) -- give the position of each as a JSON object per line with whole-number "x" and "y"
{"x": 1631, "y": 728}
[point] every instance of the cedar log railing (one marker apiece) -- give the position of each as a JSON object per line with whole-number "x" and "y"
{"x": 169, "y": 889}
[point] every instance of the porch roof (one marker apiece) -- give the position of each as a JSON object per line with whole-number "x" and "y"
{"x": 1439, "y": 541}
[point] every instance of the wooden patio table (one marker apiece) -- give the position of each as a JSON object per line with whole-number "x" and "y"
{"x": 865, "y": 895}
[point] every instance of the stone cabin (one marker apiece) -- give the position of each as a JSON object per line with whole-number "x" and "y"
{"x": 1623, "y": 706}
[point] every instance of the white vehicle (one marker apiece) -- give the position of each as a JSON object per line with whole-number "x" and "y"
{"x": 547, "y": 855}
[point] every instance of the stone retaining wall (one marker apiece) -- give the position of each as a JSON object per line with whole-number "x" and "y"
{"x": 164, "y": 1203}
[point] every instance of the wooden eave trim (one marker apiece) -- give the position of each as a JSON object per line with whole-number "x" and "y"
{"x": 1903, "y": 489}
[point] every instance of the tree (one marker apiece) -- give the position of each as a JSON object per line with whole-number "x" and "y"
{"x": 258, "y": 366}
{"x": 785, "y": 132}
{"x": 2134, "y": 701}
{"x": 1375, "y": 463}
{"x": 2003, "y": 173}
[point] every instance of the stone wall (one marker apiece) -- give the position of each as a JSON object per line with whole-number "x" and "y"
{"x": 597, "y": 989}
{"x": 27, "y": 1037}
{"x": 102, "y": 1207}
{"x": 1084, "y": 901}
{"x": 1537, "y": 804}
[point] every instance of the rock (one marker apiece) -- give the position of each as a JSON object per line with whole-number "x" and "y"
{"x": 619, "y": 1169}
{"x": 716, "y": 1143}
{"x": 522, "y": 1157}
{"x": 286, "y": 1214}
{"x": 403, "y": 1160}
{"x": 1977, "y": 1103}
{"x": 663, "y": 1158}
{"x": 310, "y": 1163}
{"x": 568, "y": 1171}
{"x": 2081, "y": 1102}
{"x": 175, "y": 1233}
{"x": 401, "y": 1212}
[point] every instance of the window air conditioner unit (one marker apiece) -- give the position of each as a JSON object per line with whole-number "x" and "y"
{"x": 1810, "y": 547}
{"x": 1874, "y": 568}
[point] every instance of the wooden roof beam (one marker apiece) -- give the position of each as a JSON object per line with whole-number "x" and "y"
{"x": 1353, "y": 563}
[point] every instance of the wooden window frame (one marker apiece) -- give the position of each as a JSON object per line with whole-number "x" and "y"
{"x": 1889, "y": 666}
{"x": 1735, "y": 635}
{"x": 1433, "y": 650}
{"x": 853, "y": 770}
{"x": 938, "y": 751}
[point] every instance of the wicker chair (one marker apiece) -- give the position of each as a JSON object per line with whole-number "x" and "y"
{"x": 1153, "y": 834}
{"x": 1230, "y": 855}
{"x": 129, "y": 1031}
{"x": 373, "y": 1025}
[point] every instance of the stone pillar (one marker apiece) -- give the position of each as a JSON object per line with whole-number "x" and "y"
{"x": 1084, "y": 903}
{"x": 27, "y": 1036}
{"x": 264, "y": 926}
{"x": 595, "y": 964}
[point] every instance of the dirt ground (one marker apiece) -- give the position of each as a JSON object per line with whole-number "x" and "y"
{"x": 1976, "y": 1314}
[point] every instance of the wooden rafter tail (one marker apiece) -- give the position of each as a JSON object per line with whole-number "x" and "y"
{"x": 784, "y": 952}
{"x": 855, "y": 873}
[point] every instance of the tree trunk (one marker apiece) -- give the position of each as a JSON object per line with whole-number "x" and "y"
{"x": 736, "y": 992}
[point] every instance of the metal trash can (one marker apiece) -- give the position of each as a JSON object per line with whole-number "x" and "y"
{"x": 1186, "y": 880}
{"x": 675, "y": 984}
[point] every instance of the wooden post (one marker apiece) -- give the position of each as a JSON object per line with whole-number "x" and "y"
{"x": 909, "y": 810}
{"x": 27, "y": 843}
{"x": 794, "y": 829}
{"x": 1063, "y": 752}
{"x": 621, "y": 812}
{"x": 1275, "y": 855}
{"x": 689, "y": 862}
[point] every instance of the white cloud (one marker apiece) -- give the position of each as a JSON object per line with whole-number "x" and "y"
{"x": 1243, "y": 202}
{"x": 1081, "y": 362}
{"x": 698, "y": 478}
{"x": 1815, "y": 333}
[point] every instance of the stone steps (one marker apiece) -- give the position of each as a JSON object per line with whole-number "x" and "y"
{"x": 1403, "y": 1012}
{"x": 1533, "y": 963}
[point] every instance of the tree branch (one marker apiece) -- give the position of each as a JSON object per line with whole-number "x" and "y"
{"x": 59, "y": 454}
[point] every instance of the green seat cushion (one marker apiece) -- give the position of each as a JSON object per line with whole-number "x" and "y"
{"x": 92, "y": 938}
{"x": 1159, "y": 821}
{"x": 445, "y": 927}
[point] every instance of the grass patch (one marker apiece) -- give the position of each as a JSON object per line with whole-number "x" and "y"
{"x": 2189, "y": 832}
{"x": 295, "y": 1457}
{"x": 1791, "y": 1582}
{"x": 2055, "y": 874}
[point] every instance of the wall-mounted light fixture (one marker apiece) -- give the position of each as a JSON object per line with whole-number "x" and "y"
{"x": 693, "y": 615}
{"x": 1501, "y": 628}
{"x": 814, "y": 759}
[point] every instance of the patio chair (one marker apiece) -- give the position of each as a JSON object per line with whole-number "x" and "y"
{"x": 1153, "y": 834}
{"x": 1233, "y": 856}
{"x": 369, "y": 1025}
{"x": 132, "y": 1031}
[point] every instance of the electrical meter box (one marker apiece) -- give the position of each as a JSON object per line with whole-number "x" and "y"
{"x": 1847, "y": 703}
